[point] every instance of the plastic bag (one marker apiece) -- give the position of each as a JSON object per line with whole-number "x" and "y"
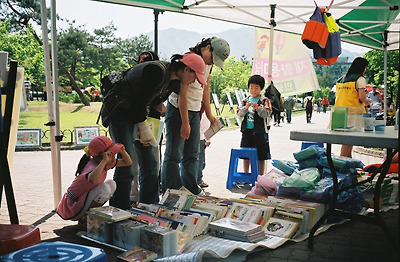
{"x": 304, "y": 179}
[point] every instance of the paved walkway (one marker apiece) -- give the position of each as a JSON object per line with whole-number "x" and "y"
{"x": 33, "y": 189}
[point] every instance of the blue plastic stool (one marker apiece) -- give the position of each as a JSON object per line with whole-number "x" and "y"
{"x": 233, "y": 175}
{"x": 304, "y": 145}
{"x": 55, "y": 252}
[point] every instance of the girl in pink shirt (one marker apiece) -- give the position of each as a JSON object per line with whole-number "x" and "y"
{"x": 89, "y": 188}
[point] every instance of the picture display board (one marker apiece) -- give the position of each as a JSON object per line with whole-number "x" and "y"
{"x": 228, "y": 95}
{"x": 29, "y": 137}
{"x": 83, "y": 134}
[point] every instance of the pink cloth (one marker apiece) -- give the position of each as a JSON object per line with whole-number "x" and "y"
{"x": 80, "y": 187}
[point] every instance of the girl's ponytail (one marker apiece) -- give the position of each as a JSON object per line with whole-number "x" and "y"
{"x": 83, "y": 162}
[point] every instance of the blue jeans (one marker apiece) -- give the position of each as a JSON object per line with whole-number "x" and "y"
{"x": 289, "y": 116}
{"x": 202, "y": 160}
{"x": 121, "y": 131}
{"x": 179, "y": 151}
{"x": 148, "y": 180}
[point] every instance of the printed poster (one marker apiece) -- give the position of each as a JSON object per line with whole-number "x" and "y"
{"x": 292, "y": 69}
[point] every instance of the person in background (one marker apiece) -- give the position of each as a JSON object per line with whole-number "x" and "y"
{"x": 325, "y": 104}
{"x": 95, "y": 95}
{"x": 90, "y": 187}
{"x": 145, "y": 82}
{"x": 204, "y": 125}
{"x": 288, "y": 104}
{"x": 308, "y": 104}
{"x": 182, "y": 120}
{"x": 255, "y": 110}
{"x": 371, "y": 95}
{"x": 350, "y": 93}
{"x": 319, "y": 105}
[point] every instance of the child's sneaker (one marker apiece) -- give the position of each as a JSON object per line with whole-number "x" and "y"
{"x": 202, "y": 184}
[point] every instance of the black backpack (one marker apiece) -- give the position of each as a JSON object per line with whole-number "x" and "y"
{"x": 118, "y": 87}
{"x": 309, "y": 104}
{"x": 275, "y": 97}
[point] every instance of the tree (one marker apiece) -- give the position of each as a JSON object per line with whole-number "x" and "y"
{"x": 131, "y": 48}
{"x": 234, "y": 76}
{"x": 21, "y": 13}
{"x": 22, "y": 47}
{"x": 375, "y": 70}
{"x": 104, "y": 51}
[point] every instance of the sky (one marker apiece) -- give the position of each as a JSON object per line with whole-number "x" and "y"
{"x": 133, "y": 21}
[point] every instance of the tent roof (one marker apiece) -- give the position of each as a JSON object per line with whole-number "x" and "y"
{"x": 361, "y": 22}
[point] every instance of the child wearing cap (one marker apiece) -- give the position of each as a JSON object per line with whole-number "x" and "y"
{"x": 89, "y": 188}
{"x": 147, "y": 83}
{"x": 182, "y": 120}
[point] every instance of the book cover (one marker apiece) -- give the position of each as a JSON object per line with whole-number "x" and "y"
{"x": 156, "y": 126}
{"x": 212, "y": 130}
{"x": 161, "y": 240}
{"x": 99, "y": 228}
{"x": 281, "y": 227}
{"x": 137, "y": 254}
{"x": 126, "y": 234}
{"x": 174, "y": 198}
{"x": 151, "y": 220}
{"x": 112, "y": 213}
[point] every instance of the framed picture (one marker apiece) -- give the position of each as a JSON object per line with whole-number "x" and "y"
{"x": 83, "y": 134}
{"x": 30, "y": 137}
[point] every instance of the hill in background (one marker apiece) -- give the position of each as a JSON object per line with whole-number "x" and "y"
{"x": 177, "y": 41}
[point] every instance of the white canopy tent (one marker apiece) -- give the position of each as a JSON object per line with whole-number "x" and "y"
{"x": 380, "y": 31}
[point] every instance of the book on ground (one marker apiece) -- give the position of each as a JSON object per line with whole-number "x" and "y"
{"x": 137, "y": 254}
{"x": 281, "y": 227}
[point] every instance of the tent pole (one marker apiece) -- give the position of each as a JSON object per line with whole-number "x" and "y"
{"x": 272, "y": 24}
{"x": 50, "y": 109}
{"x": 156, "y": 13}
{"x": 385, "y": 83}
{"x": 58, "y": 137}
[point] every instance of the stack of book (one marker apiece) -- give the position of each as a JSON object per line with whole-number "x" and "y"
{"x": 236, "y": 230}
{"x": 161, "y": 240}
{"x": 100, "y": 222}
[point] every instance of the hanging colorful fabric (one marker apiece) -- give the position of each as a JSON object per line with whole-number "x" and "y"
{"x": 332, "y": 50}
{"x": 315, "y": 32}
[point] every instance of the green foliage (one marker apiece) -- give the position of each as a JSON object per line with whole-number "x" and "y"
{"x": 375, "y": 70}
{"x": 22, "y": 47}
{"x": 70, "y": 98}
{"x": 234, "y": 76}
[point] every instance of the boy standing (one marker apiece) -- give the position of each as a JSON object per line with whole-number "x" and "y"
{"x": 255, "y": 111}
